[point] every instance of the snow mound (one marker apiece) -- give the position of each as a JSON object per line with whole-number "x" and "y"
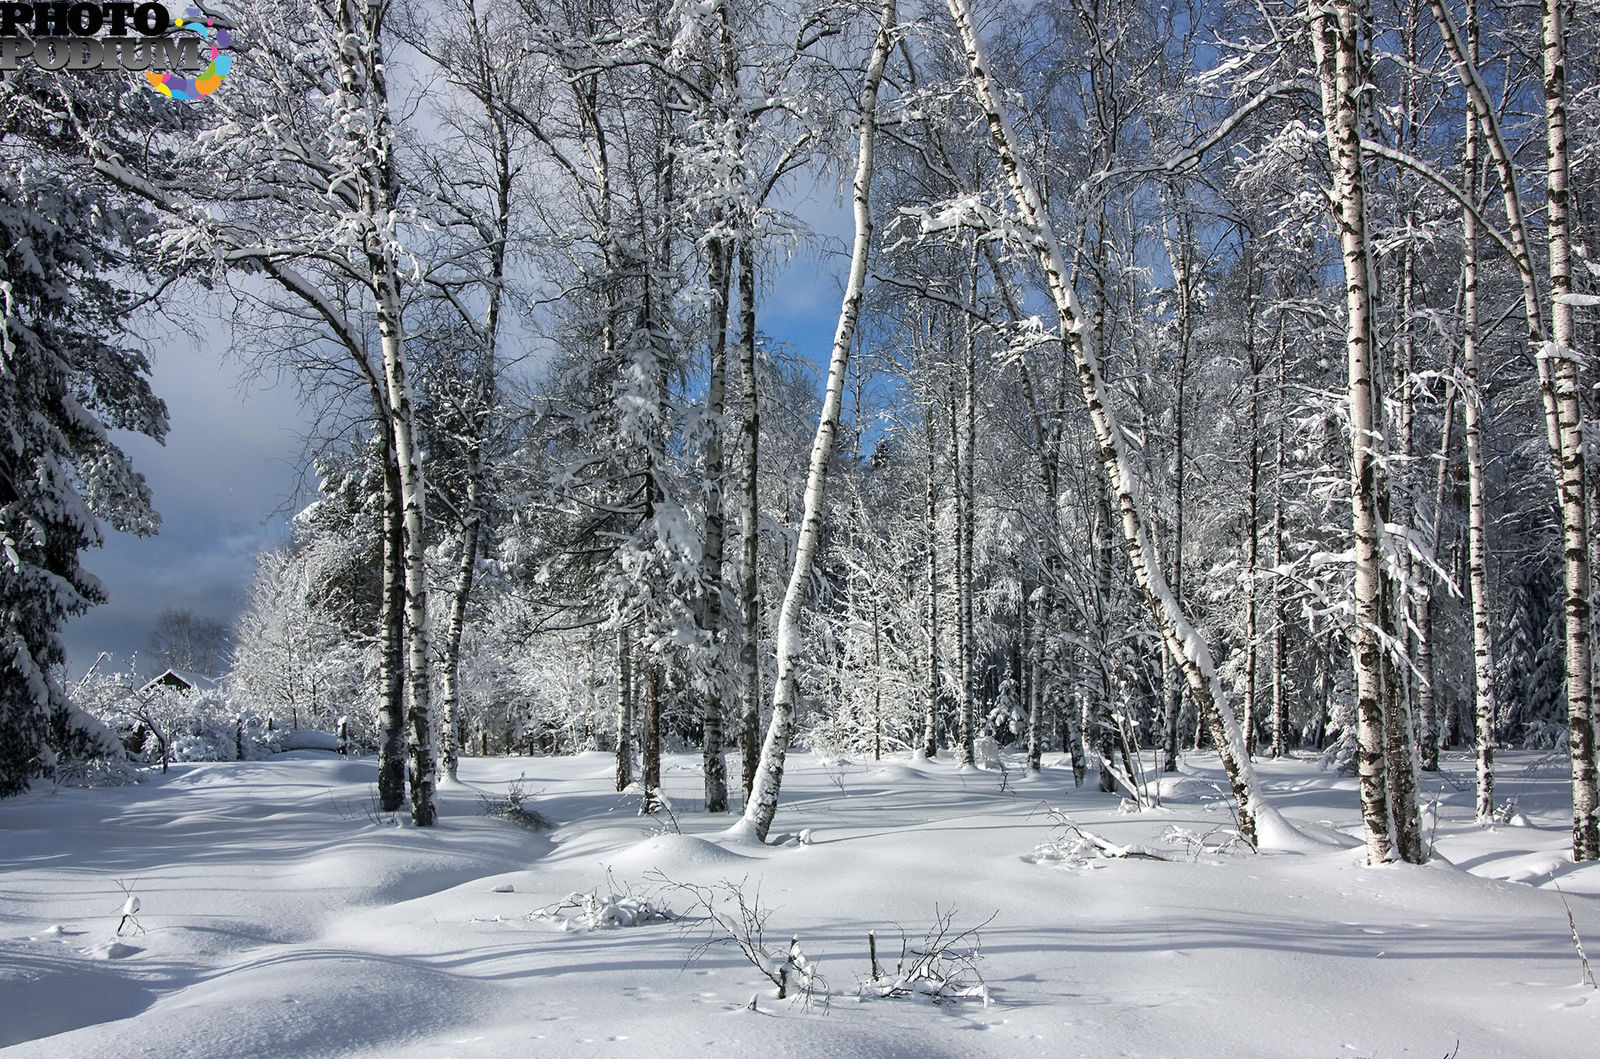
{"x": 1187, "y": 789}
{"x": 894, "y": 774}
{"x": 1533, "y": 868}
{"x": 45, "y": 989}
{"x": 668, "y": 852}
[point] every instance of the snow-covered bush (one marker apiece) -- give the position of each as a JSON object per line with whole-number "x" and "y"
{"x": 85, "y": 752}
{"x": 942, "y": 967}
{"x": 588, "y": 910}
{"x": 168, "y": 724}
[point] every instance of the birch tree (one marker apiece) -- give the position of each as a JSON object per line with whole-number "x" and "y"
{"x": 763, "y": 804}
{"x": 318, "y": 123}
{"x": 1178, "y": 633}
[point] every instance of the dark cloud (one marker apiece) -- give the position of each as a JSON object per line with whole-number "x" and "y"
{"x": 223, "y": 483}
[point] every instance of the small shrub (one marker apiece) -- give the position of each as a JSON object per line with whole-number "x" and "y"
{"x": 510, "y": 807}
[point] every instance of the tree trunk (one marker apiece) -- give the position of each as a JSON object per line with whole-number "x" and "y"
{"x": 1174, "y": 626}
{"x": 392, "y": 658}
{"x": 749, "y": 525}
{"x": 716, "y": 774}
{"x": 624, "y": 710}
{"x": 1427, "y": 702}
{"x": 652, "y": 738}
{"x": 763, "y": 805}
{"x": 1252, "y": 554}
{"x": 1280, "y": 701}
{"x": 930, "y": 710}
{"x": 1567, "y": 397}
{"x": 1472, "y": 413}
{"x": 450, "y": 671}
{"x": 1558, "y": 387}
{"x": 1334, "y": 39}
{"x": 963, "y": 615}
{"x": 1030, "y": 637}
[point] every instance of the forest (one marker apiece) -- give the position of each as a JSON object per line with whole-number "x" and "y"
{"x": 1206, "y": 376}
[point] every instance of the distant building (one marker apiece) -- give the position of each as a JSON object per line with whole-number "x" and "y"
{"x": 180, "y": 679}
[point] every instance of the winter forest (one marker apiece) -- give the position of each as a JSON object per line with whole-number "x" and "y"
{"x": 1211, "y": 382}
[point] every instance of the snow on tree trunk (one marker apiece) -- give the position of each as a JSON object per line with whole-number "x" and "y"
{"x": 1334, "y": 40}
{"x": 1472, "y": 414}
{"x": 713, "y": 766}
{"x": 421, "y": 751}
{"x": 930, "y": 530}
{"x": 1029, "y": 634}
{"x": 624, "y": 711}
{"x": 1571, "y": 485}
{"x": 1558, "y": 386}
{"x": 363, "y": 77}
{"x": 966, "y": 519}
{"x": 392, "y": 654}
{"x": 1175, "y": 628}
{"x": 763, "y": 804}
{"x": 652, "y": 737}
{"x": 1280, "y": 701}
{"x": 963, "y": 600}
{"x": 749, "y": 525}
{"x": 450, "y": 671}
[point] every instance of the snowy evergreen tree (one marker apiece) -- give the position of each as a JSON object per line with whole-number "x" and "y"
{"x": 70, "y": 372}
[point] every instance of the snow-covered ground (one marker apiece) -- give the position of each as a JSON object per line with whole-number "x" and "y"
{"x": 280, "y": 915}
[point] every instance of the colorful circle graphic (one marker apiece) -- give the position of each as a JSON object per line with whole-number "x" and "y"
{"x": 214, "y": 41}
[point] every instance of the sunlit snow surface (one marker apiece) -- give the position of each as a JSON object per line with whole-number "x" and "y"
{"x": 280, "y": 916}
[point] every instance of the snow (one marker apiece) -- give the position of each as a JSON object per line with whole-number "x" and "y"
{"x": 279, "y": 914}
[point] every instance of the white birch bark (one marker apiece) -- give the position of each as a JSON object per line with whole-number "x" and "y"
{"x": 1571, "y": 485}
{"x": 1472, "y": 413}
{"x": 450, "y": 670}
{"x": 1334, "y": 41}
{"x": 762, "y": 806}
{"x": 713, "y": 766}
{"x": 749, "y": 525}
{"x": 1176, "y": 630}
{"x": 624, "y": 772}
{"x": 1558, "y": 387}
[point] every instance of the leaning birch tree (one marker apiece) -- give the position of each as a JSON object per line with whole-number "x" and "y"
{"x": 1177, "y": 632}
{"x": 762, "y": 805}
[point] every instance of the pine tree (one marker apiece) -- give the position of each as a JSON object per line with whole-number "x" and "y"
{"x": 68, "y": 374}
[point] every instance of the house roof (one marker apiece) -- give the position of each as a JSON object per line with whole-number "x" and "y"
{"x": 179, "y": 678}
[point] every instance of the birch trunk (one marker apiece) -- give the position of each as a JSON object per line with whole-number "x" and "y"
{"x": 930, "y": 710}
{"x": 1572, "y": 487}
{"x": 968, "y": 517}
{"x": 1334, "y": 40}
{"x": 763, "y": 804}
{"x": 1030, "y": 681}
{"x": 1472, "y": 413}
{"x": 1179, "y": 259}
{"x": 749, "y": 524}
{"x": 963, "y": 615}
{"x": 1427, "y": 703}
{"x": 450, "y": 671}
{"x": 1252, "y": 559}
{"x": 715, "y": 769}
{"x": 392, "y": 659}
{"x": 1175, "y": 628}
{"x": 624, "y": 711}
{"x": 1558, "y": 388}
{"x": 652, "y": 738}
{"x": 1280, "y": 702}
